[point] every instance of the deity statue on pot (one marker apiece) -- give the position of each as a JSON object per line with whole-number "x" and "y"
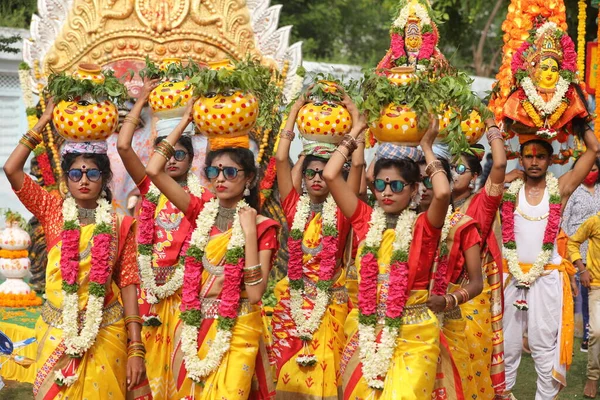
{"x": 547, "y": 102}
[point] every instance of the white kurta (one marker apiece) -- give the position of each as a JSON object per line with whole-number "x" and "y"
{"x": 543, "y": 320}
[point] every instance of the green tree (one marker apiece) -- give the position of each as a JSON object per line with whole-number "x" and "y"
{"x": 14, "y": 14}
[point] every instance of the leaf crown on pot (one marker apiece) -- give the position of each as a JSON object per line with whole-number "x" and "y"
{"x": 246, "y": 76}
{"x": 175, "y": 70}
{"x": 64, "y": 87}
{"x": 11, "y": 217}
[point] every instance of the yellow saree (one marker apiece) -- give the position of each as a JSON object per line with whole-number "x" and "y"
{"x": 412, "y": 371}
{"x": 102, "y": 369}
{"x": 243, "y": 371}
{"x": 320, "y": 381}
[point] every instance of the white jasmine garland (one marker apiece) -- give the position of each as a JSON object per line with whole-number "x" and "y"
{"x": 544, "y": 257}
{"x": 200, "y": 368}
{"x": 546, "y": 27}
{"x": 154, "y": 292}
{"x": 545, "y": 108}
{"x": 376, "y": 357}
{"x": 78, "y": 342}
{"x": 447, "y": 226}
{"x": 65, "y": 381}
{"x": 418, "y": 10}
{"x": 305, "y": 327}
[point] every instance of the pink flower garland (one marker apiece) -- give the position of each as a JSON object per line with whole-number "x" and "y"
{"x": 440, "y": 285}
{"x": 553, "y": 225}
{"x": 397, "y": 293}
{"x": 69, "y": 255}
{"x": 146, "y": 222}
{"x": 295, "y": 259}
{"x": 192, "y": 283}
{"x": 518, "y": 61}
{"x": 508, "y": 221}
{"x": 230, "y": 294}
{"x": 569, "y": 55}
{"x": 397, "y": 46}
{"x": 101, "y": 268}
{"x": 427, "y": 46}
{"x": 367, "y": 291}
{"x": 328, "y": 261}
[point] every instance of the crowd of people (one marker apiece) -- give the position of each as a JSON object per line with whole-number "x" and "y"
{"x": 417, "y": 294}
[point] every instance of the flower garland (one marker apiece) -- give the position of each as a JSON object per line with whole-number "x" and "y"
{"x": 266, "y": 184}
{"x": 147, "y": 226}
{"x": 43, "y": 161}
{"x": 76, "y": 342}
{"x": 230, "y": 294}
{"x": 305, "y": 327}
{"x": 376, "y": 357}
{"x": 419, "y": 11}
{"x": 509, "y": 248}
{"x": 440, "y": 280}
{"x": 581, "y": 20}
{"x": 545, "y": 108}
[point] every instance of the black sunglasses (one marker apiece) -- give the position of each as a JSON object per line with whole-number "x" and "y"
{"x": 427, "y": 183}
{"x": 311, "y": 173}
{"x": 92, "y": 174}
{"x": 461, "y": 169}
{"x": 395, "y": 186}
{"x": 230, "y": 173}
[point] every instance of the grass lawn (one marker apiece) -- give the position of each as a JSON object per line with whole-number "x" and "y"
{"x": 524, "y": 389}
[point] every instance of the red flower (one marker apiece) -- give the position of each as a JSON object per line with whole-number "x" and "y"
{"x": 427, "y": 46}
{"x": 295, "y": 259}
{"x": 553, "y": 224}
{"x": 367, "y": 290}
{"x": 508, "y": 221}
{"x": 440, "y": 279}
{"x": 569, "y": 55}
{"x": 46, "y": 169}
{"x": 397, "y": 46}
{"x": 270, "y": 175}
{"x": 328, "y": 259}
{"x": 230, "y": 294}
{"x": 192, "y": 280}
{"x": 101, "y": 267}
{"x": 398, "y": 290}
{"x": 146, "y": 222}
{"x": 69, "y": 255}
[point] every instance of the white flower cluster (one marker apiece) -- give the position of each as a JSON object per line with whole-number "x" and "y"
{"x": 305, "y": 327}
{"x": 543, "y": 258}
{"x": 546, "y": 27}
{"x": 196, "y": 368}
{"x": 376, "y": 357}
{"x": 419, "y": 11}
{"x": 77, "y": 342}
{"x": 446, "y": 227}
{"x": 376, "y": 227}
{"x": 25, "y": 81}
{"x": 66, "y": 381}
{"x": 545, "y": 108}
{"x": 199, "y": 368}
{"x": 155, "y": 293}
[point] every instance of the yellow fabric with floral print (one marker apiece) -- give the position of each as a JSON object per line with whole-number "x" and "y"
{"x": 320, "y": 381}
{"x": 233, "y": 378}
{"x": 416, "y": 353}
{"x": 159, "y": 340}
{"x": 103, "y": 367}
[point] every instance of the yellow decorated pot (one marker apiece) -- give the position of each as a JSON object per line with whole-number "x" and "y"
{"x": 474, "y": 127}
{"x": 85, "y": 119}
{"x": 401, "y": 76}
{"x": 324, "y": 122}
{"x": 168, "y": 99}
{"x": 90, "y": 72}
{"x": 397, "y": 124}
{"x": 229, "y": 114}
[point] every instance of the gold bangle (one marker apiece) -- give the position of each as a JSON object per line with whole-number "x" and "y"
{"x": 433, "y": 166}
{"x": 130, "y": 319}
{"x": 132, "y": 119}
{"x": 26, "y": 143}
{"x": 253, "y": 283}
{"x": 35, "y": 135}
{"x": 287, "y": 134}
{"x": 339, "y": 151}
{"x": 167, "y": 148}
{"x": 436, "y": 172}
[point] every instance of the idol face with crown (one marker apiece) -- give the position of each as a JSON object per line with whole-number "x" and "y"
{"x": 545, "y": 100}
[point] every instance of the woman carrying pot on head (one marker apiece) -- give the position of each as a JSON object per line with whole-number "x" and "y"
{"x": 392, "y": 335}
{"x": 484, "y": 313}
{"x": 229, "y": 250}
{"x": 456, "y": 279}
{"x": 91, "y": 263}
{"x": 312, "y": 302}
{"x": 162, "y": 230}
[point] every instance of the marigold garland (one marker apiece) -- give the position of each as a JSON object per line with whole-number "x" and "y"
{"x": 12, "y": 254}
{"x": 19, "y": 300}
{"x": 266, "y": 184}
{"x": 581, "y": 19}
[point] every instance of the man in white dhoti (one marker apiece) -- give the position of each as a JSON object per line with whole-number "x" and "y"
{"x": 537, "y": 295}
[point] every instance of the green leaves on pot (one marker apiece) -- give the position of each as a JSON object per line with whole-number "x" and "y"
{"x": 63, "y": 87}
{"x": 321, "y": 90}
{"x": 174, "y": 71}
